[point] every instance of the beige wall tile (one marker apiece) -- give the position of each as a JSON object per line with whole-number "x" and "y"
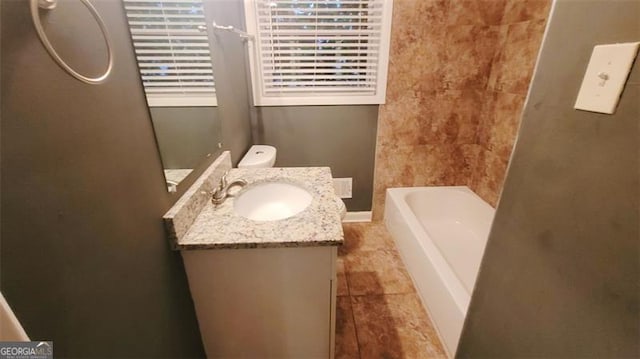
{"x": 514, "y": 65}
{"x": 468, "y": 56}
{"x": 450, "y": 116}
{"x": 475, "y": 12}
{"x": 524, "y": 10}
{"x": 489, "y": 176}
{"x": 458, "y": 74}
{"x": 485, "y": 124}
{"x": 506, "y": 120}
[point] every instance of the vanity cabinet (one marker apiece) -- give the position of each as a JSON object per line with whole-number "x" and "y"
{"x": 261, "y": 288}
{"x": 265, "y": 302}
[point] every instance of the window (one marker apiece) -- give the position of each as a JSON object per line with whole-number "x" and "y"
{"x": 173, "y": 53}
{"x": 319, "y": 52}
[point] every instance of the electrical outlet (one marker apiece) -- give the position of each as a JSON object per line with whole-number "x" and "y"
{"x": 343, "y": 187}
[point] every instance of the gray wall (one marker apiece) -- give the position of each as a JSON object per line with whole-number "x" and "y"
{"x": 561, "y": 268}
{"x": 341, "y": 137}
{"x": 186, "y": 135}
{"x": 84, "y": 259}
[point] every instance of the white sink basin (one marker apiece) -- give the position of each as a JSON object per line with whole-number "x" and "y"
{"x": 271, "y": 201}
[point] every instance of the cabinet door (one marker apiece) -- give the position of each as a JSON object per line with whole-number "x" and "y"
{"x": 264, "y": 302}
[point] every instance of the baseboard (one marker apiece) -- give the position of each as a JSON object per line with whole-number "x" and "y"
{"x": 364, "y": 216}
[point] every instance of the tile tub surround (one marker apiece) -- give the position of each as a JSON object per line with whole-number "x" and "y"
{"x": 520, "y": 37}
{"x": 458, "y": 74}
{"x": 181, "y": 215}
{"x": 219, "y": 227}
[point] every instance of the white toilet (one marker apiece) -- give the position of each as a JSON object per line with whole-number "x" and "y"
{"x": 264, "y": 156}
{"x": 259, "y": 156}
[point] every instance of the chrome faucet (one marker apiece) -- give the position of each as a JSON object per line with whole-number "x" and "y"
{"x": 222, "y": 192}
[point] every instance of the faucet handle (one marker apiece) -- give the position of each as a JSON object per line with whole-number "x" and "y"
{"x": 223, "y": 180}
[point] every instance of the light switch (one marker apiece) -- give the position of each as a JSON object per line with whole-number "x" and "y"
{"x": 606, "y": 76}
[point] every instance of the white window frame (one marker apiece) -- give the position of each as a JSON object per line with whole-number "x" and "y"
{"x": 189, "y": 97}
{"x": 186, "y": 100}
{"x": 328, "y": 98}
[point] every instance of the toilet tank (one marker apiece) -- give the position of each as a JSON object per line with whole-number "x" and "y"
{"x": 259, "y": 156}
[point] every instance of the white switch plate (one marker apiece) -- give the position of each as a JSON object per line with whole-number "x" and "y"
{"x": 606, "y": 76}
{"x": 343, "y": 187}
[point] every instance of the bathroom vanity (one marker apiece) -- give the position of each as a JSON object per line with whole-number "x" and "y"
{"x": 268, "y": 302}
{"x": 262, "y": 287}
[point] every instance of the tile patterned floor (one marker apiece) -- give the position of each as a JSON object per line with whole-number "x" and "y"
{"x": 379, "y": 314}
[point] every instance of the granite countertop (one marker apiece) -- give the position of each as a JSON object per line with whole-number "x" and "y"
{"x": 218, "y": 227}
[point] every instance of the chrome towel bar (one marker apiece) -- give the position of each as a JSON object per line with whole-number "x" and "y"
{"x": 240, "y": 33}
{"x": 50, "y": 5}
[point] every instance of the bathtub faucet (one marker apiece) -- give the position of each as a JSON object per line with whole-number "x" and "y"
{"x": 222, "y": 192}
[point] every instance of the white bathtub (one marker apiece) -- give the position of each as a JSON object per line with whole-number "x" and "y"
{"x": 441, "y": 233}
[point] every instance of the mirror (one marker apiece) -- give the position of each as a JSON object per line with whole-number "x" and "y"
{"x": 174, "y": 46}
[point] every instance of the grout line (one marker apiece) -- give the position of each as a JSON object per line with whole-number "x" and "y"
{"x": 346, "y": 279}
{"x": 353, "y": 315}
{"x": 382, "y": 294}
{"x": 355, "y": 326}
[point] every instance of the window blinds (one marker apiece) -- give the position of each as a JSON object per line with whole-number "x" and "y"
{"x": 319, "y": 51}
{"x": 172, "y": 50}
